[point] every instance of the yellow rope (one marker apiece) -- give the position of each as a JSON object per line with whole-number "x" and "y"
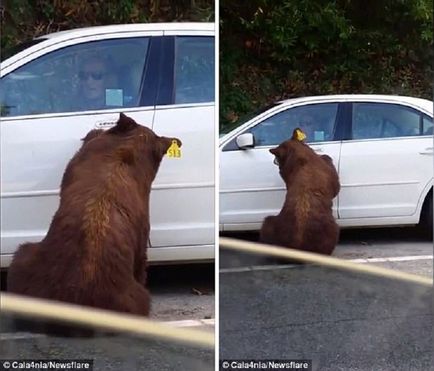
{"x": 328, "y": 261}
{"x": 103, "y": 319}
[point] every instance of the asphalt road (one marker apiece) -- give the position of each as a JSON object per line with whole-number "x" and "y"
{"x": 182, "y": 296}
{"x": 339, "y": 320}
{"x": 178, "y": 292}
{"x": 116, "y": 353}
{"x": 182, "y": 292}
{"x": 403, "y": 249}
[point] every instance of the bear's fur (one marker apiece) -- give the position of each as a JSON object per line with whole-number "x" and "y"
{"x": 306, "y": 220}
{"x": 94, "y": 253}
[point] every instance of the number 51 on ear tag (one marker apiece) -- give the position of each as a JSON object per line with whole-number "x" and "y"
{"x": 300, "y": 135}
{"x": 174, "y": 151}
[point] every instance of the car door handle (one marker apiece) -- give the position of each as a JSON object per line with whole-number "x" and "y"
{"x": 318, "y": 150}
{"x": 105, "y": 124}
{"x": 427, "y": 151}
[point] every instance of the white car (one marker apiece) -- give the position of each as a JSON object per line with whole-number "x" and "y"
{"x": 161, "y": 75}
{"x": 382, "y": 147}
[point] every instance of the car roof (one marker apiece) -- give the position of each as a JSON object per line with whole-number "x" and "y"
{"x": 425, "y": 104}
{"x": 99, "y": 30}
{"x": 61, "y": 36}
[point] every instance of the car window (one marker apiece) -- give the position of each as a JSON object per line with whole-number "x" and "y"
{"x": 246, "y": 117}
{"x": 318, "y": 122}
{"x": 383, "y": 120}
{"x": 89, "y": 76}
{"x": 194, "y": 70}
{"x": 427, "y": 125}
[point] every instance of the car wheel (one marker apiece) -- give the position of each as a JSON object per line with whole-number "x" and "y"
{"x": 426, "y": 218}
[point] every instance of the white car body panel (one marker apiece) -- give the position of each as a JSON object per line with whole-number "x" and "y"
{"x": 401, "y": 173}
{"x": 36, "y": 148}
{"x": 188, "y": 215}
{"x": 31, "y": 174}
{"x": 252, "y": 184}
{"x": 251, "y": 187}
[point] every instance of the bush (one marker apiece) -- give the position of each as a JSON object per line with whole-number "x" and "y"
{"x": 271, "y": 50}
{"x": 23, "y": 20}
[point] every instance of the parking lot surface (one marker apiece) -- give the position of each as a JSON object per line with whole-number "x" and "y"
{"x": 338, "y": 320}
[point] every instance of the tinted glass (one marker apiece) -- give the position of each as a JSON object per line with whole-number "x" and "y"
{"x": 427, "y": 126}
{"x": 194, "y": 70}
{"x": 243, "y": 119}
{"x": 90, "y": 76}
{"x": 316, "y": 120}
{"x": 382, "y": 120}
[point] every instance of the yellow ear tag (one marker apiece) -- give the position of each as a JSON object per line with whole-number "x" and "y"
{"x": 300, "y": 135}
{"x": 174, "y": 151}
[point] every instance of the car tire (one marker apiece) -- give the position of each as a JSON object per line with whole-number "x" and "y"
{"x": 426, "y": 218}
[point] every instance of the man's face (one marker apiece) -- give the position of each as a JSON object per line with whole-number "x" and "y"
{"x": 92, "y": 77}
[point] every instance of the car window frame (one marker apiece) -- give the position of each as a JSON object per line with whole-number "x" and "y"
{"x": 421, "y": 114}
{"x": 429, "y": 118}
{"x": 14, "y": 50}
{"x": 339, "y": 132}
{"x": 148, "y": 86}
{"x": 166, "y": 86}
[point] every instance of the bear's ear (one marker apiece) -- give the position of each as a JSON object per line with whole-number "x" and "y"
{"x": 164, "y": 143}
{"x": 124, "y": 125}
{"x": 298, "y": 134}
{"x": 279, "y": 155}
{"x": 278, "y": 151}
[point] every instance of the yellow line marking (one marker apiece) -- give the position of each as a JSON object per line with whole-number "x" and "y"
{"x": 393, "y": 259}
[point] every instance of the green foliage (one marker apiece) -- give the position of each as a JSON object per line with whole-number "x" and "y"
{"x": 23, "y": 20}
{"x": 271, "y": 50}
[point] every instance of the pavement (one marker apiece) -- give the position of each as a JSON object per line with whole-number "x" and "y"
{"x": 117, "y": 353}
{"x": 337, "y": 320}
{"x": 182, "y": 296}
{"x": 182, "y": 292}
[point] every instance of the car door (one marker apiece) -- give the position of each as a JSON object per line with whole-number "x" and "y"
{"x": 250, "y": 185}
{"x": 185, "y": 109}
{"x": 43, "y": 122}
{"x": 387, "y": 165}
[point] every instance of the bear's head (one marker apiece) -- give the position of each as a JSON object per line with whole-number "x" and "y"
{"x": 92, "y": 134}
{"x": 127, "y": 144}
{"x": 138, "y": 146}
{"x": 292, "y": 154}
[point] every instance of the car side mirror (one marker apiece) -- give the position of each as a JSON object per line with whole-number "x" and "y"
{"x": 246, "y": 140}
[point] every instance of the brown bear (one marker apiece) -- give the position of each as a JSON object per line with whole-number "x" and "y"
{"x": 306, "y": 221}
{"x": 94, "y": 253}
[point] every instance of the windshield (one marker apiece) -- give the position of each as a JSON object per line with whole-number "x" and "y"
{"x": 9, "y": 52}
{"x": 228, "y": 128}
